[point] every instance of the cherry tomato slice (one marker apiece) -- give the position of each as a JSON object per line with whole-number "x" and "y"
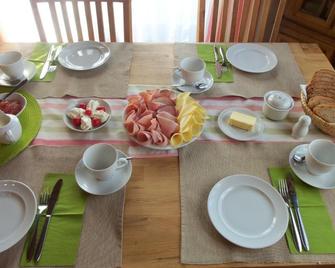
{"x": 76, "y": 122}
{"x": 101, "y": 108}
{"x": 82, "y": 105}
{"x": 96, "y": 122}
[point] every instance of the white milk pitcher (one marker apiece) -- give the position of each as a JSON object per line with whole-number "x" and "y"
{"x": 10, "y": 128}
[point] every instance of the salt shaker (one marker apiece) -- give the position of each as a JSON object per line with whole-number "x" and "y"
{"x": 301, "y": 128}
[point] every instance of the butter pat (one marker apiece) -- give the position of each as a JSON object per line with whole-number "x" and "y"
{"x": 242, "y": 121}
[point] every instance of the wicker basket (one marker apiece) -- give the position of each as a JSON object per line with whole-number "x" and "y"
{"x": 326, "y": 127}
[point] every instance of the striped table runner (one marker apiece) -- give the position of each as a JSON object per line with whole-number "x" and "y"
{"x": 54, "y": 132}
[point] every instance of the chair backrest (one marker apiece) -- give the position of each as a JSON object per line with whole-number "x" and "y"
{"x": 240, "y": 20}
{"x": 73, "y": 6}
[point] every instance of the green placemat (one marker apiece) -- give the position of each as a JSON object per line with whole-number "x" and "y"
{"x": 38, "y": 57}
{"x": 317, "y": 222}
{"x": 64, "y": 230}
{"x": 30, "y": 120}
{"x": 206, "y": 53}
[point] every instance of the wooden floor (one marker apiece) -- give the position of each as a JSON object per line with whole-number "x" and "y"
{"x": 152, "y": 209}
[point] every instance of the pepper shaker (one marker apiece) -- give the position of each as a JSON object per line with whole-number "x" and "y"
{"x": 301, "y": 128}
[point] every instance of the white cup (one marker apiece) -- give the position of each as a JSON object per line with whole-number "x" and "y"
{"x": 11, "y": 64}
{"x": 10, "y": 128}
{"x": 103, "y": 160}
{"x": 320, "y": 157}
{"x": 192, "y": 69}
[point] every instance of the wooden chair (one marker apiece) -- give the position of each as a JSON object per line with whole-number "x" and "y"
{"x": 88, "y": 15}
{"x": 240, "y": 20}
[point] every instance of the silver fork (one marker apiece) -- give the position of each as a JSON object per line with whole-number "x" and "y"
{"x": 283, "y": 190}
{"x": 53, "y": 67}
{"x": 224, "y": 63}
{"x": 42, "y": 206}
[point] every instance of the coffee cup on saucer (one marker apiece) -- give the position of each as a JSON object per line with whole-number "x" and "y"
{"x": 320, "y": 157}
{"x": 102, "y": 160}
{"x": 12, "y": 65}
{"x": 192, "y": 69}
{"x": 10, "y": 128}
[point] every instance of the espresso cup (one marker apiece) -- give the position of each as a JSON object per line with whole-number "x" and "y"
{"x": 320, "y": 157}
{"x": 10, "y": 128}
{"x": 192, "y": 69}
{"x": 11, "y": 64}
{"x": 103, "y": 160}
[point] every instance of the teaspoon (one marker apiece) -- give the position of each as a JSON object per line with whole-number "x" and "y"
{"x": 298, "y": 158}
{"x": 17, "y": 87}
{"x": 197, "y": 85}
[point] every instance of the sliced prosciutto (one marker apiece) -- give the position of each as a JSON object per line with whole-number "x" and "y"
{"x": 168, "y": 126}
{"x": 144, "y": 137}
{"x": 151, "y": 117}
{"x": 159, "y": 139}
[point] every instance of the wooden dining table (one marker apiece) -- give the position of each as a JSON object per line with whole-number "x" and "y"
{"x": 152, "y": 215}
{"x": 152, "y": 210}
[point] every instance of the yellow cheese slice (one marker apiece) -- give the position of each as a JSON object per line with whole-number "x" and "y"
{"x": 187, "y": 134}
{"x": 176, "y": 139}
{"x": 242, "y": 121}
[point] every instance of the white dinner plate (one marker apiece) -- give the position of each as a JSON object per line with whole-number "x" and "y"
{"x": 90, "y": 184}
{"x": 207, "y": 79}
{"x": 324, "y": 181}
{"x": 85, "y": 55}
{"x": 28, "y": 72}
{"x": 247, "y": 211}
{"x": 252, "y": 58}
{"x": 75, "y": 103}
{"x": 238, "y": 133}
{"x": 17, "y": 212}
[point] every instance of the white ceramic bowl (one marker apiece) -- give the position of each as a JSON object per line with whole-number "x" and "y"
{"x": 276, "y": 113}
{"x": 75, "y": 103}
{"x": 16, "y": 97}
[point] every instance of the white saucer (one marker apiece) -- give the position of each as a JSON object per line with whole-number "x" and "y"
{"x": 28, "y": 72}
{"x": 247, "y": 211}
{"x": 237, "y": 133}
{"x": 17, "y": 212}
{"x": 208, "y": 79}
{"x": 90, "y": 184}
{"x": 325, "y": 181}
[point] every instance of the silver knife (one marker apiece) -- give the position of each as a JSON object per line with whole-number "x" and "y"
{"x": 47, "y": 62}
{"x": 218, "y": 67}
{"x": 295, "y": 203}
{"x": 51, "y": 205}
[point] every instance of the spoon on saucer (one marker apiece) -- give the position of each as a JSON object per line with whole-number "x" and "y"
{"x": 197, "y": 85}
{"x": 298, "y": 158}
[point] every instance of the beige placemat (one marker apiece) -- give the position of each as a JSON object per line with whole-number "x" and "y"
{"x": 285, "y": 77}
{"x": 202, "y": 164}
{"x": 108, "y": 80}
{"x": 101, "y": 237}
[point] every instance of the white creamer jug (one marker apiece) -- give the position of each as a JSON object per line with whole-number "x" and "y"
{"x": 10, "y": 128}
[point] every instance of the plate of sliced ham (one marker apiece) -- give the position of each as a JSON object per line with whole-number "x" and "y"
{"x": 162, "y": 119}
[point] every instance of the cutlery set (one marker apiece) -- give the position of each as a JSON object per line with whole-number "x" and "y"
{"x": 221, "y": 66}
{"x": 51, "y": 57}
{"x": 287, "y": 190}
{"x": 47, "y": 203}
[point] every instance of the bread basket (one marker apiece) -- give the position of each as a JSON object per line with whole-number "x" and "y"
{"x": 324, "y": 126}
